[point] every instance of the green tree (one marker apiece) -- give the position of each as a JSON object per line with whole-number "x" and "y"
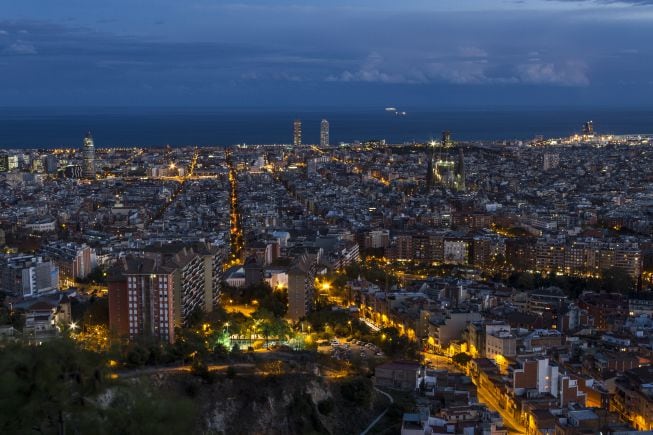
{"x": 43, "y": 387}
{"x": 395, "y": 345}
{"x": 276, "y": 302}
{"x": 140, "y": 411}
{"x": 263, "y": 323}
{"x": 280, "y": 328}
{"x": 616, "y": 280}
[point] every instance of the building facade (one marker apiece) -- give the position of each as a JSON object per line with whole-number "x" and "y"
{"x": 301, "y": 287}
{"x": 297, "y": 133}
{"x": 28, "y": 275}
{"x": 73, "y": 260}
{"x": 88, "y": 152}
{"x": 141, "y": 300}
{"x": 324, "y": 133}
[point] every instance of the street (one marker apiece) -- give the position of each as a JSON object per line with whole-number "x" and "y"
{"x": 514, "y": 427}
{"x": 443, "y": 362}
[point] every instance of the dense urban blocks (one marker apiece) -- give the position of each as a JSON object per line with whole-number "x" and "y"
{"x": 486, "y": 268}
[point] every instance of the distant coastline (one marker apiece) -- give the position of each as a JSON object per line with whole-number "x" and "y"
{"x": 150, "y": 127}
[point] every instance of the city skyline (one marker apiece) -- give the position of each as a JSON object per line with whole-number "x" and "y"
{"x": 42, "y": 128}
{"x": 344, "y": 217}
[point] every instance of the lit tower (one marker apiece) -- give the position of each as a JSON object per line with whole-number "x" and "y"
{"x": 430, "y": 167}
{"x": 88, "y": 152}
{"x": 445, "y": 171}
{"x": 297, "y": 133}
{"x": 588, "y": 128}
{"x": 324, "y": 133}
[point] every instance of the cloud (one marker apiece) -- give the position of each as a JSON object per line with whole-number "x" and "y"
{"x": 461, "y": 73}
{"x": 370, "y": 75}
{"x": 609, "y": 2}
{"x": 570, "y": 73}
{"x": 275, "y": 76}
{"x": 293, "y": 51}
{"x": 467, "y": 71}
{"x": 372, "y": 71}
{"x": 20, "y": 47}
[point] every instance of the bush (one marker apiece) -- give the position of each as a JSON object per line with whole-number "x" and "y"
{"x": 137, "y": 356}
{"x": 357, "y": 390}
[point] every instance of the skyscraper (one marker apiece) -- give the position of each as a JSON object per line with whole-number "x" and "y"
{"x": 4, "y": 162}
{"x": 324, "y": 133}
{"x": 297, "y": 133}
{"x": 89, "y": 156}
{"x": 588, "y": 128}
{"x": 446, "y": 139}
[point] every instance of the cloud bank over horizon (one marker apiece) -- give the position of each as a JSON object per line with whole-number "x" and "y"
{"x": 251, "y": 53}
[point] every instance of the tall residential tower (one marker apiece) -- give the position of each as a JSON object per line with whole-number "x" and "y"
{"x": 297, "y": 133}
{"x": 88, "y": 152}
{"x": 324, "y": 133}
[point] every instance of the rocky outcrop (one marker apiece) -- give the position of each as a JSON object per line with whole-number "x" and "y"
{"x": 283, "y": 404}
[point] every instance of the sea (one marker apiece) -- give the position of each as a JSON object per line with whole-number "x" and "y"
{"x": 154, "y": 127}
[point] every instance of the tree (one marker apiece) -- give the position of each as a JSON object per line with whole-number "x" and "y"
{"x": 43, "y": 387}
{"x": 276, "y": 302}
{"x": 97, "y": 311}
{"x": 461, "y": 359}
{"x": 616, "y": 280}
{"x": 97, "y": 276}
{"x": 279, "y": 328}
{"x": 395, "y": 345}
{"x": 135, "y": 410}
{"x": 525, "y": 281}
{"x": 264, "y": 326}
{"x": 357, "y": 390}
{"x": 196, "y": 318}
{"x": 217, "y": 316}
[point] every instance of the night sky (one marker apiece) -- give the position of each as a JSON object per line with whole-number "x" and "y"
{"x": 286, "y": 54}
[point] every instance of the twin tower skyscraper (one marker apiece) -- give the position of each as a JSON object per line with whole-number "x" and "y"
{"x": 297, "y": 133}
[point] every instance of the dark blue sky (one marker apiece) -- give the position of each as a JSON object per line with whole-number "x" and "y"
{"x": 317, "y": 53}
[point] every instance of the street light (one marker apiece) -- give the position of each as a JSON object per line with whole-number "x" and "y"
{"x": 351, "y": 332}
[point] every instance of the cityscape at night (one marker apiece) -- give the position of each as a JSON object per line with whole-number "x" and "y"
{"x": 346, "y": 218}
